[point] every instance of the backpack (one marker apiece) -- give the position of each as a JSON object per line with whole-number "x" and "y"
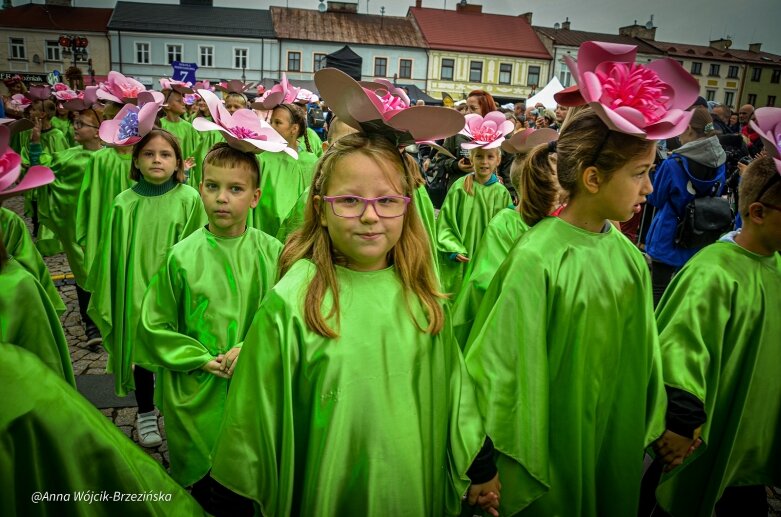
{"x": 316, "y": 118}
{"x": 705, "y": 218}
{"x": 436, "y": 182}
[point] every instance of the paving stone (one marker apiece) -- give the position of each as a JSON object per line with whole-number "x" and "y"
{"x": 126, "y": 416}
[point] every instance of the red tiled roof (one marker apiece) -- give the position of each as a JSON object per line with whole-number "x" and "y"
{"x": 480, "y": 33}
{"x": 575, "y": 38}
{"x": 365, "y": 29}
{"x": 760, "y": 58}
{"x": 687, "y": 51}
{"x": 55, "y": 18}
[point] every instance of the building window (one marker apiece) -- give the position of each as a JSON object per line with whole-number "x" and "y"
{"x": 142, "y": 53}
{"x": 53, "y": 51}
{"x": 505, "y": 73}
{"x": 565, "y": 76}
{"x": 756, "y": 74}
{"x": 476, "y": 71}
{"x": 446, "y": 70}
{"x": 533, "y": 77}
{"x": 405, "y": 68}
{"x": 174, "y": 53}
{"x": 205, "y": 56}
{"x": 771, "y": 101}
{"x": 294, "y": 61}
{"x": 776, "y": 77}
{"x": 752, "y": 99}
{"x": 696, "y": 68}
{"x": 380, "y": 67}
{"x": 733, "y": 72}
{"x": 729, "y": 97}
{"x": 240, "y": 58}
{"x": 715, "y": 71}
{"x": 319, "y": 62}
{"x": 710, "y": 95}
{"x": 17, "y": 48}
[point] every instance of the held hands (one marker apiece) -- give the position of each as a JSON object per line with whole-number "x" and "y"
{"x": 486, "y": 495}
{"x": 461, "y": 258}
{"x": 674, "y": 448}
{"x": 214, "y": 367}
{"x": 229, "y": 361}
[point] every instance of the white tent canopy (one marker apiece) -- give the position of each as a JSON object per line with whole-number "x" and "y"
{"x": 545, "y": 96}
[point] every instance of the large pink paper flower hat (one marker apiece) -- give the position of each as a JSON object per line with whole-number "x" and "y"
{"x": 20, "y": 102}
{"x": 282, "y": 93}
{"x": 486, "y": 132}
{"x": 120, "y": 89}
{"x": 60, "y": 87}
{"x": 305, "y": 96}
{"x": 528, "y": 139}
{"x": 649, "y": 101}
{"x": 768, "y": 126}
{"x": 179, "y": 87}
{"x": 39, "y": 93}
{"x": 11, "y": 168}
{"x": 243, "y": 130}
{"x": 232, "y": 86}
{"x": 85, "y": 100}
{"x": 132, "y": 122}
{"x": 379, "y": 111}
{"x": 66, "y": 94}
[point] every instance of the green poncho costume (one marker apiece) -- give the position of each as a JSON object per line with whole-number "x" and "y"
{"x": 19, "y": 244}
{"x": 145, "y": 221}
{"x": 565, "y": 358}
{"x": 106, "y": 175}
{"x": 461, "y": 224}
{"x": 29, "y": 320}
{"x": 199, "y": 305}
{"x": 57, "y": 203}
{"x": 380, "y": 421}
{"x": 207, "y": 140}
{"x": 502, "y": 233}
{"x": 188, "y": 137}
{"x": 720, "y": 332}
{"x": 66, "y": 126}
{"x": 53, "y": 442}
{"x": 282, "y": 180}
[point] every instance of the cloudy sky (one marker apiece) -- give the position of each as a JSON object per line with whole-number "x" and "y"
{"x": 684, "y": 21}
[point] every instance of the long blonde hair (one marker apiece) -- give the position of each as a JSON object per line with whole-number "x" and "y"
{"x": 411, "y": 255}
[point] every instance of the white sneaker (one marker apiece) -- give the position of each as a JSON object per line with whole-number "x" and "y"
{"x": 148, "y": 432}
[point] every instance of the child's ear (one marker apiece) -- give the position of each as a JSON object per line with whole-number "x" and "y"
{"x": 756, "y": 213}
{"x": 325, "y": 146}
{"x": 255, "y": 198}
{"x": 591, "y": 179}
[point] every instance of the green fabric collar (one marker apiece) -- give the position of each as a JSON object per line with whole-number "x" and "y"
{"x": 146, "y": 189}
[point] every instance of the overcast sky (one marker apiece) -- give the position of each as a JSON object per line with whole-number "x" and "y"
{"x": 683, "y": 21}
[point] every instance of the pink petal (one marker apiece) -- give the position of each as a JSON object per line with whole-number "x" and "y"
{"x": 615, "y": 121}
{"x": 204, "y": 124}
{"x": 668, "y": 128}
{"x": 497, "y": 118}
{"x": 683, "y": 84}
{"x": 36, "y": 176}
{"x": 146, "y": 118}
{"x": 768, "y": 126}
{"x": 246, "y": 118}
{"x": 592, "y": 53}
{"x": 590, "y": 87}
{"x": 631, "y": 115}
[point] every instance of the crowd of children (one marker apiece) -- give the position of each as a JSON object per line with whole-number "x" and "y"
{"x": 320, "y": 342}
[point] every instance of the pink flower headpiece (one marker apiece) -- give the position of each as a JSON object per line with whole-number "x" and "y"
{"x": 528, "y": 139}
{"x": 132, "y": 122}
{"x": 85, "y": 100}
{"x": 486, "y": 132}
{"x": 282, "y": 93}
{"x": 768, "y": 126}
{"x": 649, "y": 101}
{"x": 65, "y": 95}
{"x": 232, "y": 86}
{"x": 20, "y": 102}
{"x": 120, "y": 89}
{"x": 306, "y": 96}
{"x": 60, "y": 87}
{"x": 39, "y": 93}
{"x": 243, "y": 130}
{"x": 379, "y": 111}
{"x": 179, "y": 87}
{"x": 11, "y": 168}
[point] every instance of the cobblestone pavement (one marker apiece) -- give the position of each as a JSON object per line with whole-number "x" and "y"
{"x": 94, "y": 363}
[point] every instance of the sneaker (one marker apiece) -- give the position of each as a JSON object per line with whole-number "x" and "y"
{"x": 148, "y": 432}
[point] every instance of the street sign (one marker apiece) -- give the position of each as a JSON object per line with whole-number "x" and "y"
{"x": 184, "y": 72}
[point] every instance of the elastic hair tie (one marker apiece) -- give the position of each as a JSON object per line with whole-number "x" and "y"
{"x": 552, "y": 146}
{"x": 708, "y": 127}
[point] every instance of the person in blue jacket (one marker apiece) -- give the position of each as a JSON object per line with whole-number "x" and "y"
{"x": 693, "y": 170}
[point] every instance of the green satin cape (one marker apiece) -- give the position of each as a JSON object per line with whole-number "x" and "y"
{"x": 138, "y": 234}
{"x": 57, "y": 203}
{"x": 107, "y": 174}
{"x": 461, "y": 224}
{"x": 502, "y": 233}
{"x": 380, "y": 421}
{"x": 66, "y": 126}
{"x": 53, "y": 441}
{"x": 199, "y": 305}
{"x": 29, "y": 320}
{"x": 187, "y": 135}
{"x": 315, "y": 144}
{"x": 565, "y": 357}
{"x": 19, "y": 244}
{"x": 720, "y": 331}
{"x": 282, "y": 180}
{"x": 207, "y": 139}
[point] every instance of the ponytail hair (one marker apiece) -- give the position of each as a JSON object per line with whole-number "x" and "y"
{"x": 702, "y": 122}
{"x": 298, "y": 116}
{"x": 537, "y": 186}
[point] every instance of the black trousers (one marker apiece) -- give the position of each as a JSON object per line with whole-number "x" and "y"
{"x": 661, "y": 275}
{"x": 145, "y": 389}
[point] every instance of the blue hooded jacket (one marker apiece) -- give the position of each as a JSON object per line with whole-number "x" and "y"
{"x": 701, "y": 167}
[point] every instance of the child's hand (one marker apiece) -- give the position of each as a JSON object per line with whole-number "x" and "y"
{"x": 214, "y": 367}
{"x": 486, "y": 495}
{"x": 674, "y": 448}
{"x": 189, "y": 163}
{"x": 461, "y": 258}
{"x": 231, "y": 358}
{"x": 465, "y": 166}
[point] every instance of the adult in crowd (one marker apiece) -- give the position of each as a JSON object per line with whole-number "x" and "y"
{"x": 720, "y": 115}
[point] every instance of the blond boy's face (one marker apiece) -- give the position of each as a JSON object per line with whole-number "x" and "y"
{"x": 228, "y": 194}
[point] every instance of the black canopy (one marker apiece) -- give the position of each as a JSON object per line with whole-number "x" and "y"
{"x": 414, "y": 93}
{"x": 345, "y": 60}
